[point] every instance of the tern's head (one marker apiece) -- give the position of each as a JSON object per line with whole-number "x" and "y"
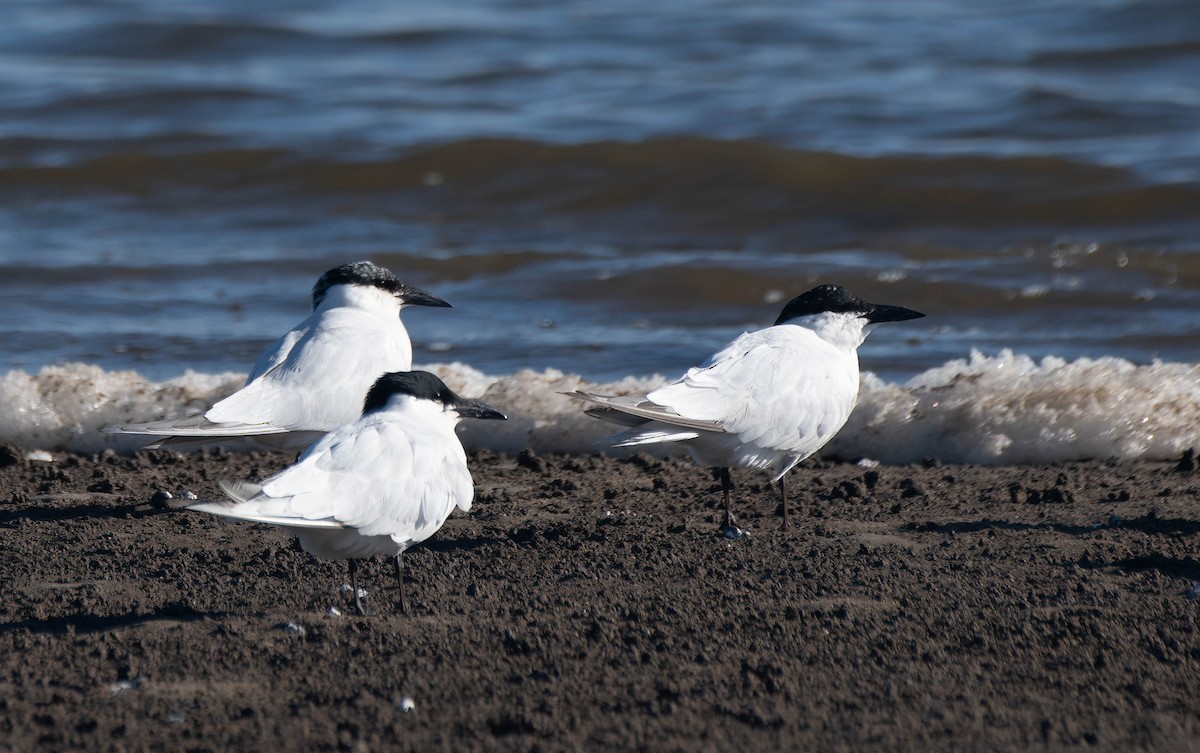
{"x": 836, "y": 314}
{"x": 425, "y": 388}
{"x": 365, "y": 284}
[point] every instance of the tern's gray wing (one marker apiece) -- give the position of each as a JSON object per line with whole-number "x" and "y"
{"x": 195, "y": 426}
{"x": 278, "y": 351}
{"x": 381, "y": 476}
{"x": 782, "y": 388}
{"x": 617, "y": 409}
{"x": 322, "y": 382}
{"x": 241, "y": 506}
{"x": 191, "y": 429}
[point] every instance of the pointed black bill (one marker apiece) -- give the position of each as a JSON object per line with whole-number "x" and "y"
{"x": 418, "y": 297}
{"x": 883, "y": 313}
{"x": 476, "y": 409}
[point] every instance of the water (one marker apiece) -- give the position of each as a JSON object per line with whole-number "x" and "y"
{"x": 609, "y": 189}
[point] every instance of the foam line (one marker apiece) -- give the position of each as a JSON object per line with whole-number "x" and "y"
{"x": 1000, "y": 409}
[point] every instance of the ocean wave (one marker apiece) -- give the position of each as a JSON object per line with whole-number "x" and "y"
{"x": 1001, "y": 409}
{"x": 701, "y": 184}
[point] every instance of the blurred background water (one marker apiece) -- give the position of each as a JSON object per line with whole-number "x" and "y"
{"x": 607, "y": 188}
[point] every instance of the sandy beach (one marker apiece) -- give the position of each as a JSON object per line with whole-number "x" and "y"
{"x": 607, "y": 194}
{"x": 589, "y": 603}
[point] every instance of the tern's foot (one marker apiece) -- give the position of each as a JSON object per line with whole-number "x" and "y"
{"x": 735, "y": 533}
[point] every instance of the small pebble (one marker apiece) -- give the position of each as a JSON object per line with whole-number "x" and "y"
{"x": 406, "y": 704}
{"x": 189, "y": 495}
{"x": 333, "y": 612}
{"x": 292, "y": 628}
{"x": 122, "y": 686}
{"x": 40, "y": 456}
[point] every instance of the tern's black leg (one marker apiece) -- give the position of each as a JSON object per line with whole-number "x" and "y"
{"x": 354, "y": 587}
{"x": 400, "y": 582}
{"x": 726, "y": 487}
{"x": 783, "y": 497}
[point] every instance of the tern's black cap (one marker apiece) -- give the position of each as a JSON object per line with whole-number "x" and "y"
{"x": 368, "y": 274}
{"x": 838, "y": 300}
{"x": 424, "y": 386}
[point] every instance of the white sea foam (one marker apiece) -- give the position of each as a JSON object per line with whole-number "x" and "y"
{"x": 1005, "y": 408}
{"x": 63, "y": 407}
{"x": 1012, "y": 409}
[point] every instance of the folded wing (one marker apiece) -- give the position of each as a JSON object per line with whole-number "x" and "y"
{"x": 377, "y": 477}
{"x": 781, "y": 388}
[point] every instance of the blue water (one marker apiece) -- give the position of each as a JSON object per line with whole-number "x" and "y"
{"x": 606, "y": 188}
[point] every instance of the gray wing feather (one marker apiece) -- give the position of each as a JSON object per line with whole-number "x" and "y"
{"x": 640, "y": 407}
{"x": 227, "y": 510}
{"x": 240, "y": 491}
{"x": 195, "y": 426}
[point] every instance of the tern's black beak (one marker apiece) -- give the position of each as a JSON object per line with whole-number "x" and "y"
{"x": 476, "y": 409}
{"x": 418, "y": 297}
{"x": 884, "y": 313}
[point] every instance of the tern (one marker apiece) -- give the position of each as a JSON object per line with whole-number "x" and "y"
{"x": 767, "y": 400}
{"x": 377, "y": 485}
{"x": 312, "y": 379}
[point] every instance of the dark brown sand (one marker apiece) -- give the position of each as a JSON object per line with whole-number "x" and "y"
{"x": 589, "y": 604}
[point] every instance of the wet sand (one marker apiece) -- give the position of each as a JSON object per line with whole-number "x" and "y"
{"x": 588, "y": 603}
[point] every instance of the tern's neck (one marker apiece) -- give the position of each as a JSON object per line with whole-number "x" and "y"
{"x": 360, "y": 297}
{"x": 844, "y": 331}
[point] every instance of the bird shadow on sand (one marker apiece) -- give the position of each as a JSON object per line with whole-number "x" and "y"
{"x": 1185, "y": 568}
{"x": 460, "y": 545}
{"x": 92, "y": 623}
{"x": 60, "y": 512}
{"x": 1174, "y": 567}
{"x": 1150, "y": 523}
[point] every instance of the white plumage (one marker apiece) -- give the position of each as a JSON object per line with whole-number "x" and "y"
{"x": 314, "y": 378}
{"x": 376, "y": 486}
{"x": 768, "y": 399}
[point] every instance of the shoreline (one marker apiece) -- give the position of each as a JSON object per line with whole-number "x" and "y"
{"x": 587, "y": 602}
